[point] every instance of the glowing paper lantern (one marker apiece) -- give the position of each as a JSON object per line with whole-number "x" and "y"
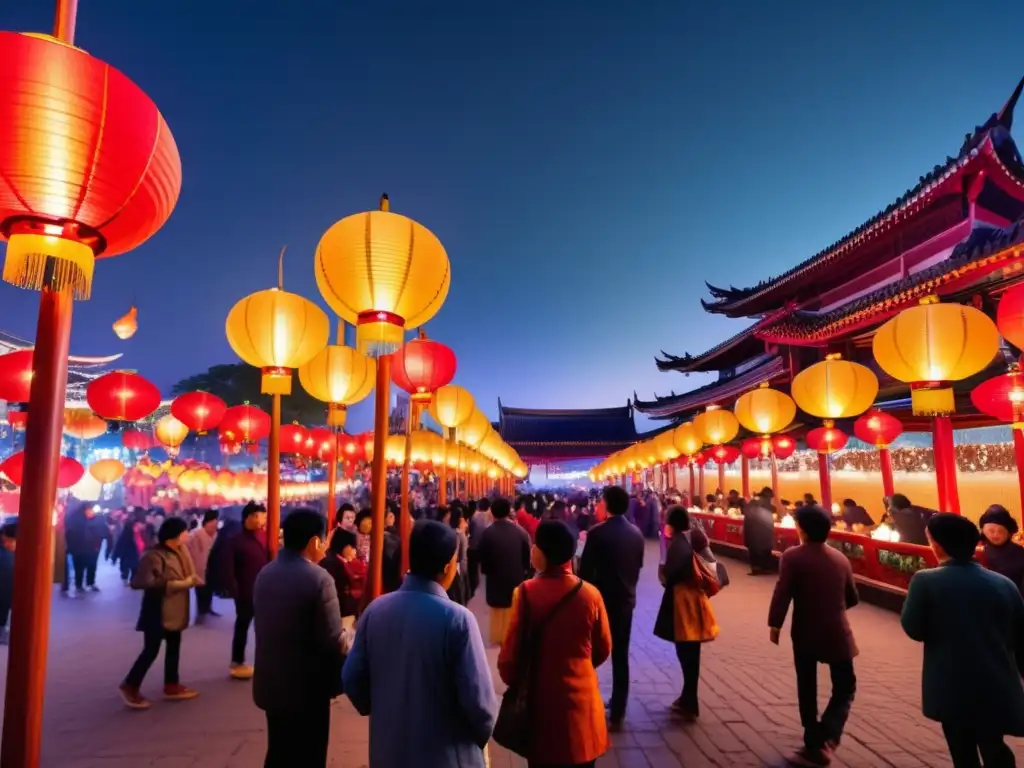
{"x": 394, "y": 449}
{"x": 244, "y": 424}
{"x": 69, "y": 471}
{"x": 756, "y": 447}
{"x": 126, "y": 325}
{"x": 878, "y": 428}
{"x": 1010, "y": 316}
{"x": 384, "y": 273}
{"x": 136, "y": 440}
{"x": 338, "y": 375}
{"x": 452, "y": 406}
{"x": 783, "y": 446}
{"x": 665, "y": 446}
{"x": 16, "y": 376}
{"x": 170, "y": 432}
{"x": 835, "y": 388}
{"x": 277, "y": 331}
{"x": 716, "y": 425}
{"x": 107, "y": 471}
{"x": 475, "y": 429}
{"x": 91, "y": 168}
{"x": 83, "y": 424}
{"x": 422, "y": 366}
{"x": 826, "y": 440}
{"x": 122, "y": 396}
{"x": 764, "y": 410}
{"x": 931, "y": 345}
{"x": 1002, "y": 398}
{"x": 686, "y": 440}
{"x": 324, "y": 443}
{"x": 199, "y": 411}
{"x": 293, "y": 438}
{"x": 88, "y": 488}
{"x": 725, "y": 454}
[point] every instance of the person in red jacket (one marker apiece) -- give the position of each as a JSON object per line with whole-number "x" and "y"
{"x": 524, "y": 515}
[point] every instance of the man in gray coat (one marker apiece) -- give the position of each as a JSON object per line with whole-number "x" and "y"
{"x": 298, "y": 646}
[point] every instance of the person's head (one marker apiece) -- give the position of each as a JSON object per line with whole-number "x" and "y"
{"x": 304, "y": 534}
{"x": 616, "y": 500}
{"x": 9, "y": 535}
{"x": 501, "y": 509}
{"x": 389, "y": 518}
{"x": 677, "y": 520}
{"x": 364, "y": 521}
{"x": 849, "y": 504}
{"x": 346, "y": 516}
{"x": 710, "y": 499}
{"x": 433, "y": 552}
{"x": 444, "y": 513}
{"x": 483, "y": 505}
{"x": 254, "y": 516}
{"x": 899, "y": 501}
{"x": 457, "y": 519}
{"x": 558, "y": 510}
{"x": 809, "y": 499}
{"x": 813, "y": 524}
{"x": 799, "y": 504}
{"x": 767, "y": 494}
{"x": 997, "y": 525}
{"x": 952, "y": 537}
{"x": 343, "y": 544}
{"x": 173, "y": 532}
{"x": 210, "y": 519}
{"x": 554, "y": 545}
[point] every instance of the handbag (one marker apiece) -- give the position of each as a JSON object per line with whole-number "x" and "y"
{"x": 512, "y": 728}
{"x": 706, "y": 576}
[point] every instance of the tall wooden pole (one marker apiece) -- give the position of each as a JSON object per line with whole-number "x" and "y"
{"x": 274, "y": 477}
{"x": 945, "y": 465}
{"x": 452, "y": 442}
{"x": 745, "y": 477}
{"x": 332, "y": 472}
{"x": 885, "y": 459}
{"x": 825, "y": 480}
{"x": 404, "y": 520}
{"x": 379, "y": 478}
{"x": 33, "y": 568}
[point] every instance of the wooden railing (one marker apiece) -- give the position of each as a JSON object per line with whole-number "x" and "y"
{"x": 889, "y": 563}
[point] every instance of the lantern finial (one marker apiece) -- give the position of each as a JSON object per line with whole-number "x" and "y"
{"x": 280, "y": 268}
{"x": 385, "y": 203}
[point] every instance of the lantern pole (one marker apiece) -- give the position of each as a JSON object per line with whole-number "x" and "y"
{"x": 775, "y": 478}
{"x": 1018, "y": 454}
{"x": 700, "y": 482}
{"x": 745, "y": 477}
{"x": 945, "y": 465}
{"x": 404, "y": 520}
{"x": 442, "y": 480}
{"x": 825, "y": 479}
{"x": 33, "y": 570}
{"x": 693, "y": 483}
{"x": 721, "y": 477}
{"x": 885, "y": 460}
{"x": 379, "y": 476}
{"x": 452, "y": 441}
{"x": 332, "y": 471}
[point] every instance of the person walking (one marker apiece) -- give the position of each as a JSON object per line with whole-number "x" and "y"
{"x": 298, "y": 646}
{"x": 477, "y": 526}
{"x": 418, "y": 667}
{"x": 200, "y": 544}
{"x": 165, "y": 575}
{"x": 247, "y": 556}
{"x": 505, "y": 561}
{"x": 8, "y": 545}
{"x": 612, "y": 560}
{"x": 818, "y": 581}
{"x": 131, "y": 543}
{"x": 759, "y": 532}
{"x": 685, "y": 617}
{"x": 561, "y": 622}
{"x": 971, "y": 621}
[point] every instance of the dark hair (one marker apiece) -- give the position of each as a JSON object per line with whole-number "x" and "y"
{"x": 456, "y": 517}
{"x": 444, "y": 513}
{"x": 957, "y": 535}
{"x": 171, "y": 528}
{"x": 431, "y": 547}
{"x": 813, "y": 521}
{"x": 251, "y": 509}
{"x": 500, "y": 509}
{"x": 9, "y": 530}
{"x": 899, "y": 501}
{"x": 616, "y": 500}
{"x": 363, "y": 514}
{"x": 997, "y": 514}
{"x": 849, "y": 503}
{"x": 300, "y": 526}
{"x": 346, "y": 507}
{"x": 342, "y": 538}
{"x": 483, "y": 505}
{"x": 556, "y": 541}
{"x": 558, "y": 510}
{"x": 766, "y": 493}
{"x": 210, "y": 515}
{"x": 678, "y": 518}
{"x": 711, "y": 497}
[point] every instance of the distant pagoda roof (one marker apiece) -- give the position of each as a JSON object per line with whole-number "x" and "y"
{"x": 81, "y": 370}
{"x": 540, "y": 434}
{"x": 989, "y": 150}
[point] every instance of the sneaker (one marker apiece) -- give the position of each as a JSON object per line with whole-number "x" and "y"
{"x": 240, "y": 672}
{"x": 93, "y": 588}
{"x": 810, "y": 758}
{"x": 132, "y": 698}
{"x": 679, "y": 710}
{"x": 178, "y": 692}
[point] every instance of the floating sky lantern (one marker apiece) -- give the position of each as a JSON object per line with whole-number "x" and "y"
{"x": 126, "y": 325}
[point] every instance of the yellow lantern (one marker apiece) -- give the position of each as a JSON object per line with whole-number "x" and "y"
{"x": 491, "y": 445}
{"x": 452, "y": 406}
{"x": 475, "y": 429}
{"x": 716, "y": 425}
{"x": 665, "y": 445}
{"x": 107, "y": 471}
{"x": 394, "y": 449}
{"x": 277, "y": 331}
{"x": 931, "y": 345}
{"x": 764, "y": 410}
{"x": 338, "y": 375}
{"x": 438, "y": 451}
{"x": 384, "y": 273}
{"x": 835, "y": 388}
{"x": 686, "y": 440}
{"x": 170, "y": 432}
{"x": 83, "y": 423}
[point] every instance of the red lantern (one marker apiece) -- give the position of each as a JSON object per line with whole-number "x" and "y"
{"x": 122, "y": 396}
{"x": 293, "y": 439}
{"x": 135, "y": 440}
{"x": 16, "y": 376}
{"x": 422, "y": 366}
{"x": 701, "y": 458}
{"x": 324, "y": 444}
{"x": 783, "y": 446}
{"x": 18, "y": 420}
{"x": 1010, "y": 316}
{"x": 351, "y": 448}
{"x": 725, "y": 454}
{"x": 69, "y": 471}
{"x": 199, "y": 411}
{"x": 826, "y": 439}
{"x": 877, "y": 428}
{"x": 244, "y": 424}
{"x": 1002, "y": 397}
{"x": 756, "y": 447}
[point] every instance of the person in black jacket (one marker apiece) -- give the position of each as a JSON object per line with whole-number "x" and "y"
{"x": 612, "y": 559}
{"x": 8, "y": 544}
{"x": 505, "y": 561}
{"x": 247, "y": 556}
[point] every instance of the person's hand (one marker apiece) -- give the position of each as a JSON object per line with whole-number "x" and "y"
{"x": 773, "y": 635}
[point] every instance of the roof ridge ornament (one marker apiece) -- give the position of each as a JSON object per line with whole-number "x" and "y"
{"x": 1005, "y": 116}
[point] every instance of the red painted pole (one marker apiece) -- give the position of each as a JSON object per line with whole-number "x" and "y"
{"x": 775, "y": 481}
{"x": 721, "y": 477}
{"x": 885, "y": 458}
{"x": 700, "y": 483}
{"x": 945, "y": 465}
{"x": 825, "y": 479}
{"x": 1018, "y": 454}
{"x": 379, "y": 478}
{"x": 693, "y": 486}
{"x": 274, "y": 478}
{"x": 745, "y": 477}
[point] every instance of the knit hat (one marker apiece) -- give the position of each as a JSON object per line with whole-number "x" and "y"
{"x": 998, "y": 515}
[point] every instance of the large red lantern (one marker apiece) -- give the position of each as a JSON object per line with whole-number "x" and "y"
{"x": 122, "y": 396}
{"x": 826, "y": 440}
{"x": 69, "y": 471}
{"x": 244, "y": 424}
{"x": 783, "y": 446}
{"x": 423, "y": 366}
{"x": 324, "y": 444}
{"x": 136, "y": 440}
{"x": 199, "y": 411}
{"x": 1002, "y": 398}
{"x": 725, "y": 454}
{"x": 1010, "y": 316}
{"x": 293, "y": 439}
{"x": 756, "y": 447}
{"x": 16, "y": 376}
{"x": 878, "y": 428}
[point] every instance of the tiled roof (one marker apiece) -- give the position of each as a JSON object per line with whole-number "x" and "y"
{"x": 595, "y": 427}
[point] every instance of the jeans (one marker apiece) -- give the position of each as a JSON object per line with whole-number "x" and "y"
{"x": 620, "y": 618}
{"x": 298, "y": 739}
{"x": 151, "y": 640}
{"x": 243, "y": 618}
{"x": 965, "y": 742}
{"x": 689, "y": 661}
{"x": 833, "y": 720}
{"x": 204, "y": 600}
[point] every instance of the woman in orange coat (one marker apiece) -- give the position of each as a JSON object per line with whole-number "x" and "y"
{"x": 568, "y": 726}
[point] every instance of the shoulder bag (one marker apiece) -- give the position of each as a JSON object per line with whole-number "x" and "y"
{"x": 512, "y": 729}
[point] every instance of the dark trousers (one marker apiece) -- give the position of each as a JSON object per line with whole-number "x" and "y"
{"x": 474, "y": 572}
{"x": 833, "y": 719}
{"x": 689, "y": 661}
{"x": 85, "y": 568}
{"x": 620, "y": 618}
{"x": 591, "y": 764}
{"x": 151, "y": 640}
{"x": 965, "y": 744}
{"x": 761, "y": 560}
{"x": 299, "y": 739}
{"x": 204, "y": 601}
{"x": 243, "y": 618}
{"x": 127, "y": 571}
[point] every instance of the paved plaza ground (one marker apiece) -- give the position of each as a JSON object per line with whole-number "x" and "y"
{"x": 748, "y": 696}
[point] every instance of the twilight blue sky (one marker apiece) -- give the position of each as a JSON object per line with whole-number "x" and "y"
{"x": 587, "y": 163}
